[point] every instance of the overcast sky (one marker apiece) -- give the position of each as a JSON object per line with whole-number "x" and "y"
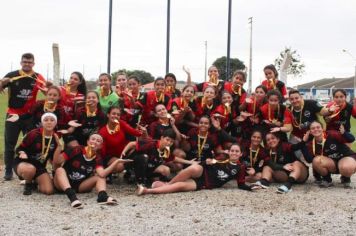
{"x": 317, "y": 29}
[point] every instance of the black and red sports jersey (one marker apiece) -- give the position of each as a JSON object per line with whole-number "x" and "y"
{"x": 147, "y": 103}
{"x": 238, "y": 95}
{"x": 218, "y": 174}
{"x": 91, "y": 123}
{"x": 256, "y": 159}
{"x": 279, "y": 85}
{"x": 301, "y": 119}
{"x": 228, "y": 113}
{"x": 340, "y": 117}
{"x": 22, "y": 91}
{"x": 38, "y": 110}
{"x": 32, "y": 146}
{"x": 78, "y": 166}
{"x": 150, "y": 147}
{"x": 179, "y": 104}
{"x": 203, "y": 109}
{"x": 69, "y": 101}
{"x": 156, "y": 129}
{"x": 202, "y": 86}
{"x": 172, "y": 92}
{"x": 334, "y": 146}
{"x": 282, "y": 114}
{"x": 207, "y": 145}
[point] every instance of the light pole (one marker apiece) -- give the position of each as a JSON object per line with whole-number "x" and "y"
{"x": 206, "y": 59}
{"x": 228, "y": 42}
{"x": 250, "y": 66}
{"x": 109, "y": 37}
{"x": 168, "y": 33}
{"x": 354, "y": 59}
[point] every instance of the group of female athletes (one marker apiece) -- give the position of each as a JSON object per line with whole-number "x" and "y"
{"x": 169, "y": 140}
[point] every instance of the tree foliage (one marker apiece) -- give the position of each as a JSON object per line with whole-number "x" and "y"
{"x": 296, "y": 66}
{"x": 235, "y": 64}
{"x": 144, "y": 76}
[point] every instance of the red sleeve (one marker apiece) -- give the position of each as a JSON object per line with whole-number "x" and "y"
{"x": 128, "y": 129}
{"x": 243, "y": 97}
{"x": 337, "y": 135}
{"x": 287, "y": 117}
{"x": 145, "y": 145}
{"x": 29, "y": 138}
{"x": 284, "y": 91}
{"x": 354, "y": 110}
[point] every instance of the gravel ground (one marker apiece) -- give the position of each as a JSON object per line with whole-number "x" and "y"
{"x": 307, "y": 210}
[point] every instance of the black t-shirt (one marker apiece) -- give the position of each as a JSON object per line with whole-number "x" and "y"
{"x": 207, "y": 146}
{"x": 150, "y": 148}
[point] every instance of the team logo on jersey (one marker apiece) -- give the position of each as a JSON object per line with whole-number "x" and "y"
{"x": 333, "y": 147}
{"x": 222, "y": 174}
{"x": 307, "y": 113}
{"x": 110, "y": 103}
{"x": 233, "y": 171}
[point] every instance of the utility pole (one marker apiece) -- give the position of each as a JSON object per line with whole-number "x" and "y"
{"x": 206, "y": 59}
{"x": 168, "y": 34}
{"x": 250, "y": 66}
{"x": 109, "y": 38}
{"x": 228, "y": 42}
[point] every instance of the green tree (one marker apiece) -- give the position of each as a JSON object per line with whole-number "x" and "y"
{"x": 144, "y": 76}
{"x": 296, "y": 67}
{"x": 235, "y": 64}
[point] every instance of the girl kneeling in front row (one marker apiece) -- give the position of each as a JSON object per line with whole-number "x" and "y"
{"x": 77, "y": 172}
{"x": 211, "y": 174}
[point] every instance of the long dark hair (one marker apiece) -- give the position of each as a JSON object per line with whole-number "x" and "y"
{"x": 82, "y": 88}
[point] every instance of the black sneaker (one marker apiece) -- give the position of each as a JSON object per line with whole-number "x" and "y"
{"x": 109, "y": 179}
{"x": 8, "y": 174}
{"x": 27, "y": 189}
{"x": 325, "y": 184}
{"x": 346, "y": 181}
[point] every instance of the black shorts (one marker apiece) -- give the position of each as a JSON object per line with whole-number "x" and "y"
{"x": 336, "y": 161}
{"x": 200, "y": 182}
{"x": 74, "y": 184}
{"x": 40, "y": 168}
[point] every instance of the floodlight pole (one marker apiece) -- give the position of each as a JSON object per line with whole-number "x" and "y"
{"x": 109, "y": 38}
{"x": 228, "y": 42}
{"x": 168, "y": 34}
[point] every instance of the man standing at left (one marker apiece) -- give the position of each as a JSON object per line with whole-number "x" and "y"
{"x": 23, "y": 86}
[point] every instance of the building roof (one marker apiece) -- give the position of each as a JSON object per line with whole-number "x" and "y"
{"x": 328, "y": 83}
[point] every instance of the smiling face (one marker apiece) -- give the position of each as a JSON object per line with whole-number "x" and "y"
{"x": 170, "y": 82}
{"x": 256, "y": 138}
{"x": 272, "y": 141}
{"x": 235, "y": 153}
{"x": 105, "y": 82}
{"x": 238, "y": 80}
{"x": 209, "y": 93}
{"x": 133, "y": 85}
{"x": 316, "y": 129}
{"x": 273, "y": 100}
{"x": 339, "y": 98}
{"x": 188, "y": 93}
{"x": 296, "y": 99}
{"x": 121, "y": 81}
{"x": 113, "y": 115}
{"x": 204, "y": 124}
{"x": 95, "y": 141}
{"x": 226, "y": 98}
{"x": 166, "y": 141}
{"x": 92, "y": 99}
{"x": 160, "y": 86}
{"x": 213, "y": 72}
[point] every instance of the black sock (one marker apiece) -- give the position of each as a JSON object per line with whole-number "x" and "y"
{"x": 316, "y": 175}
{"x": 71, "y": 194}
{"x": 289, "y": 182}
{"x": 102, "y": 196}
{"x": 327, "y": 178}
{"x": 264, "y": 182}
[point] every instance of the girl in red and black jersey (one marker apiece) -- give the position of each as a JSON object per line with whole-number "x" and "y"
{"x": 207, "y": 103}
{"x": 89, "y": 119}
{"x": 283, "y": 165}
{"x": 80, "y": 169}
{"x": 50, "y": 104}
{"x": 130, "y": 114}
{"x": 214, "y": 81}
{"x": 235, "y": 88}
{"x": 37, "y": 147}
{"x": 121, "y": 83}
{"x": 171, "y": 82}
{"x": 115, "y": 137}
{"x": 254, "y": 157}
{"x": 250, "y": 110}
{"x": 212, "y": 174}
{"x": 330, "y": 154}
{"x": 182, "y": 109}
{"x": 202, "y": 143}
{"x": 272, "y": 82}
{"x": 341, "y": 112}
{"x": 226, "y": 111}
{"x": 274, "y": 116}
{"x": 73, "y": 93}
{"x": 150, "y": 99}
